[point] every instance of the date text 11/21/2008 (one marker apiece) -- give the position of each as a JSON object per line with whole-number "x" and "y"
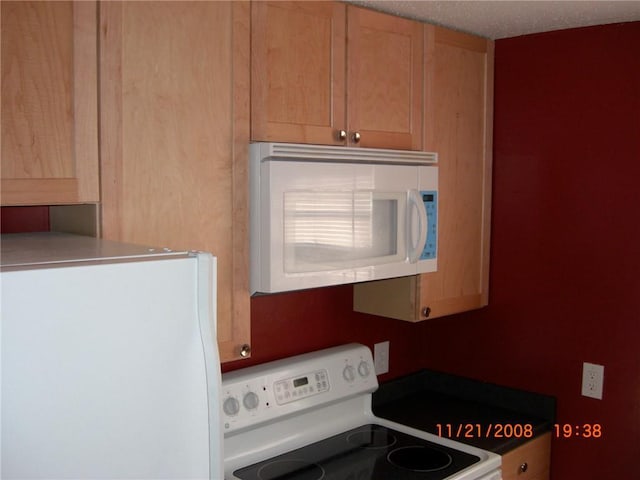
{"x": 515, "y": 430}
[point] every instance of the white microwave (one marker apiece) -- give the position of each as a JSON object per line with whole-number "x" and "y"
{"x": 324, "y": 215}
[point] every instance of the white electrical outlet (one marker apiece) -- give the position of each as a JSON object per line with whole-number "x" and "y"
{"x": 592, "y": 380}
{"x": 381, "y": 357}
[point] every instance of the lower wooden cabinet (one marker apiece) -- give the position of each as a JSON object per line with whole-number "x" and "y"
{"x": 529, "y": 461}
{"x": 174, "y": 137}
{"x": 458, "y": 126}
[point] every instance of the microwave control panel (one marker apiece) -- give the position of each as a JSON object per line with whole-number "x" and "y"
{"x": 430, "y": 200}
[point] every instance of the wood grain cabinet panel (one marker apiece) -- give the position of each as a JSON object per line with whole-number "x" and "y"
{"x": 384, "y": 79}
{"x": 297, "y": 71}
{"x": 49, "y": 103}
{"x": 319, "y": 68}
{"x": 458, "y": 125}
{"x": 530, "y": 461}
{"x": 174, "y": 90}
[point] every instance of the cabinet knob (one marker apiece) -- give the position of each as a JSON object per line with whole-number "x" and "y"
{"x": 245, "y": 350}
{"x": 426, "y": 311}
{"x": 342, "y": 135}
{"x": 356, "y": 137}
{"x": 524, "y": 467}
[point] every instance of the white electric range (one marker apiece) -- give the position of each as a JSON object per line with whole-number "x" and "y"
{"x": 309, "y": 417}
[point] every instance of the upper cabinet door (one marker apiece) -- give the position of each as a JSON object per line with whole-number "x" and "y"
{"x": 385, "y": 80}
{"x": 298, "y": 72}
{"x": 459, "y": 128}
{"x": 49, "y": 103}
{"x": 458, "y": 125}
{"x": 327, "y": 73}
{"x": 174, "y": 139}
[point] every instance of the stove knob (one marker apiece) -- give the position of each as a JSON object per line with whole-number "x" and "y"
{"x": 349, "y": 373}
{"x": 363, "y": 369}
{"x": 251, "y": 401}
{"x": 231, "y": 406}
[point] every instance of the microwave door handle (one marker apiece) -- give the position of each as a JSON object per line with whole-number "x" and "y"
{"x": 415, "y": 203}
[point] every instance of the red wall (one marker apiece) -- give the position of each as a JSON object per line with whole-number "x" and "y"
{"x": 24, "y": 219}
{"x": 565, "y": 271}
{"x": 291, "y": 323}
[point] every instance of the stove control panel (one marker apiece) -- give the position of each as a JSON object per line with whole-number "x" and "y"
{"x": 262, "y": 393}
{"x": 297, "y": 388}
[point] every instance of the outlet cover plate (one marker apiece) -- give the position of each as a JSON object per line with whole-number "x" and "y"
{"x": 592, "y": 380}
{"x": 381, "y": 357}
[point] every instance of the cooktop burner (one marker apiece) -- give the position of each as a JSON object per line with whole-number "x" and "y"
{"x": 364, "y": 453}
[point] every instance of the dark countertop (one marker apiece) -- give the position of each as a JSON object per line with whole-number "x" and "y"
{"x": 481, "y": 414}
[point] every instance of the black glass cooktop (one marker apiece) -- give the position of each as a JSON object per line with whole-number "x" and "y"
{"x": 364, "y": 453}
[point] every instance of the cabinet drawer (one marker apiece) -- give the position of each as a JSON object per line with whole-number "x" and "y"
{"x": 529, "y": 461}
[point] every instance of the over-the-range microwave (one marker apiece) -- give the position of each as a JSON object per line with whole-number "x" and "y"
{"x": 324, "y": 215}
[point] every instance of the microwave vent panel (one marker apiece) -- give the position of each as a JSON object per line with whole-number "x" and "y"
{"x": 326, "y": 153}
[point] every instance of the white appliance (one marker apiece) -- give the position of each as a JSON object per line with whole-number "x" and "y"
{"x": 324, "y": 215}
{"x": 309, "y": 417}
{"x": 109, "y": 362}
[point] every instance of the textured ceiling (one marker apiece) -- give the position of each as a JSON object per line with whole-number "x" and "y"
{"x": 502, "y": 19}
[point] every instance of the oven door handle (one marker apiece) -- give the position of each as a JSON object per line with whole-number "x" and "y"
{"x": 416, "y": 226}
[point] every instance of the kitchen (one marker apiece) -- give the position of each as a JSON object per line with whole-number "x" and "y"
{"x": 567, "y": 97}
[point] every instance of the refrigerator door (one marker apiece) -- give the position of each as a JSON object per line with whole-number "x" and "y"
{"x": 106, "y": 374}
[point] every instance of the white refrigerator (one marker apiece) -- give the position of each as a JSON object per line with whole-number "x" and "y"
{"x": 109, "y": 364}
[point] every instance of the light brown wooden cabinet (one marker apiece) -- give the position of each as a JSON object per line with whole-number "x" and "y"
{"x": 530, "y": 461}
{"x": 458, "y": 125}
{"x": 49, "y": 103}
{"x": 174, "y": 135}
{"x": 322, "y": 68}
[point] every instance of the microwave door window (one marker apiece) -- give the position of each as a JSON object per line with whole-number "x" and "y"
{"x": 336, "y": 230}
